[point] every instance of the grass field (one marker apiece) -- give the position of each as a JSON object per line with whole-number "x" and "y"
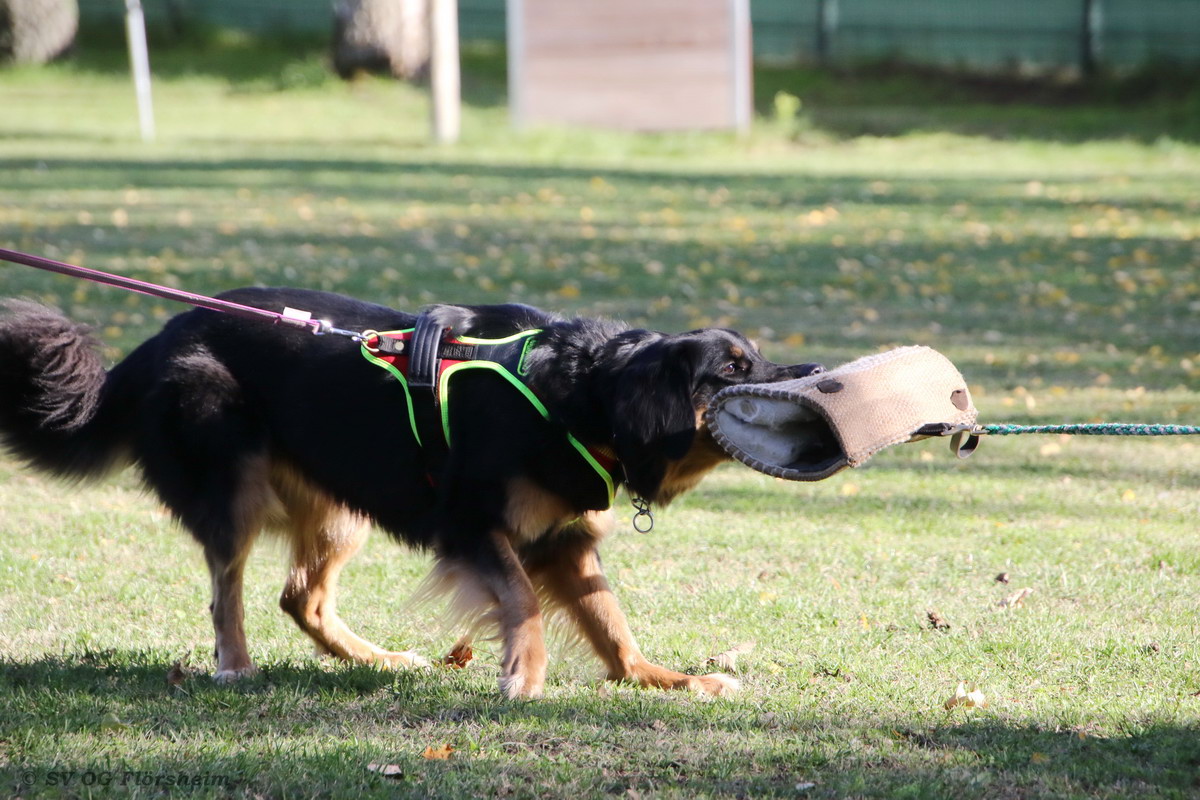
{"x": 1050, "y": 247}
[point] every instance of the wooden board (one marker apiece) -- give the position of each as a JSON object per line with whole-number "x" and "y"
{"x": 625, "y": 64}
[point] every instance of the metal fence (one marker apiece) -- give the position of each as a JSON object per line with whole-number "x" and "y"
{"x": 1013, "y": 35}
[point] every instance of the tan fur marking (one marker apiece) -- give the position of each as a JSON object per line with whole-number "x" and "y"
{"x": 472, "y": 605}
{"x": 532, "y": 511}
{"x": 575, "y": 580}
{"x": 523, "y": 667}
{"x": 228, "y": 611}
{"x": 477, "y": 614}
{"x": 683, "y": 475}
{"x": 503, "y": 600}
{"x": 324, "y": 536}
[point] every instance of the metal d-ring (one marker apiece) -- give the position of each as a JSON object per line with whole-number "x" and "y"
{"x": 643, "y": 511}
{"x": 367, "y": 336}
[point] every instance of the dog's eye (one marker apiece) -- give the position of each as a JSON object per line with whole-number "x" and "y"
{"x": 731, "y": 368}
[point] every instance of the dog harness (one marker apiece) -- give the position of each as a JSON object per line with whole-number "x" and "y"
{"x": 425, "y": 363}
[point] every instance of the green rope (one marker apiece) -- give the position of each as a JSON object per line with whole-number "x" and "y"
{"x": 1095, "y": 429}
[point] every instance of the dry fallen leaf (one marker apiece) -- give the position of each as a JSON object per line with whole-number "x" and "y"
{"x": 967, "y": 697}
{"x": 177, "y": 674}
{"x": 459, "y": 656}
{"x": 936, "y": 621}
{"x": 387, "y": 770}
{"x": 438, "y": 753}
{"x": 1016, "y": 599}
{"x": 728, "y": 660}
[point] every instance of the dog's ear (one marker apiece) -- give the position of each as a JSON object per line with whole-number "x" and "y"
{"x": 653, "y": 416}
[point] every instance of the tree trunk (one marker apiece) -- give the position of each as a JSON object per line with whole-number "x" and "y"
{"x": 36, "y": 31}
{"x": 381, "y": 36}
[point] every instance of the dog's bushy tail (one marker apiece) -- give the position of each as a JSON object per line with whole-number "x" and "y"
{"x": 60, "y": 410}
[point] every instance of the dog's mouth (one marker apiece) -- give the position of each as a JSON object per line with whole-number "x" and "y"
{"x": 804, "y": 370}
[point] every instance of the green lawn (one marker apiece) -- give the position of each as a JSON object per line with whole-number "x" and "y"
{"x": 1050, "y": 247}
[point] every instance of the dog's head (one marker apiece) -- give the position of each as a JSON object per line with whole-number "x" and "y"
{"x": 659, "y": 387}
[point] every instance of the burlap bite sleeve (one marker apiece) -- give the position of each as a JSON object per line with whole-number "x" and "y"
{"x": 810, "y": 428}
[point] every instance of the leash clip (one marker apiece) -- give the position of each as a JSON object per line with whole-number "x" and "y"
{"x": 964, "y": 437}
{"x": 643, "y": 511}
{"x": 323, "y": 327}
{"x": 319, "y": 327}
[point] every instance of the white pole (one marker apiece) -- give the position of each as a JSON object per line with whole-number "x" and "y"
{"x": 741, "y": 64}
{"x": 139, "y": 63}
{"x": 444, "y": 70}
{"x": 515, "y": 36}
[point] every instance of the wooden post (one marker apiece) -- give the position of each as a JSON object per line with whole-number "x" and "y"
{"x": 827, "y": 14}
{"x": 630, "y": 64}
{"x": 139, "y": 64}
{"x": 741, "y": 65}
{"x": 444, "y": 78}
{"x": 515, "y": 42}
{"x": 1089, "y": 45}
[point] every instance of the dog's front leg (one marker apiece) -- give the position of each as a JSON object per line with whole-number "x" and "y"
{"x": 573, "y": 578}
{"x": 497, "y": 570}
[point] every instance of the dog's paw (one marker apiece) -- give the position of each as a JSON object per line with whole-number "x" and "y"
{"x": 225, "y": 677}
{"x": 409, "y": 659}
{"x": 517, "y": 687}
{"x": 715, "y": 684}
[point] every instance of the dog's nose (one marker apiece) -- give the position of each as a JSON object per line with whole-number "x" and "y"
{"x": 804, "y": 370}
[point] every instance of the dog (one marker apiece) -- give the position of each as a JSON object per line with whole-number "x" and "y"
{"x": 240, "y": 426}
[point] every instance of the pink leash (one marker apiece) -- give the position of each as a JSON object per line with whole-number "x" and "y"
{"x": 289, "y": 316}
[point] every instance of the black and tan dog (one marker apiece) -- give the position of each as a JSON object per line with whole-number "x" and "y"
{"x": 240, "y": 426}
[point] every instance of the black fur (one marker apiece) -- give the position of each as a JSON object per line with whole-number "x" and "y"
{"x": 211, "y": 389}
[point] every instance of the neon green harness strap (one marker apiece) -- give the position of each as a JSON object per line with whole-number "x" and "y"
{"x": 451, "y": 368}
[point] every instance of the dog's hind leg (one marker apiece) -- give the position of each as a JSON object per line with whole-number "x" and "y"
{"x": 233, "y": 658}
{"x": 206, "y": 458}
{"x": 570, "y": 575}
{"x": 324, "y": 536}
{"x": 229, "y": 531}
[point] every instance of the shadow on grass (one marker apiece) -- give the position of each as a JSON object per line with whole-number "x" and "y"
{"x": 369, "y": 178}
{"x": 310, "y": 731}
{"x": 894, "y": 99}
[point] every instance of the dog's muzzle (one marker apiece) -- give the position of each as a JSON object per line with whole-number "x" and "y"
{"x": 804, "y": 370}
